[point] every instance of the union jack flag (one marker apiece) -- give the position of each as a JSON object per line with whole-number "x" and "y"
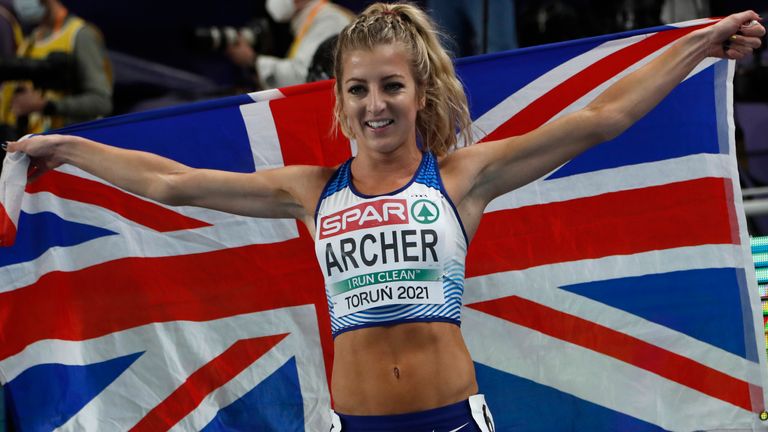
{"x": 615, "y": 293}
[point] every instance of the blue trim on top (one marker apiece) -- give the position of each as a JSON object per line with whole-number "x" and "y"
{"x": 397, "y": 321}
{"x": 338, "y": 181}
{"x": 441, "y": 187}
{"x": 428, "y": 173}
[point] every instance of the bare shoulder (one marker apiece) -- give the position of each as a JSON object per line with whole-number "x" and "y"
{"x": 305, "y": 178}
{"x": 306, "y": 182}
{"x": 461, "y": 169}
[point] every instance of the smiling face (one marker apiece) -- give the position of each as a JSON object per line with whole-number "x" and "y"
{"x": 380, "y": 98}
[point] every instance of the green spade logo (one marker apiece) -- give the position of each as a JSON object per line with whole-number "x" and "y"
{"x": 425, "y": 211}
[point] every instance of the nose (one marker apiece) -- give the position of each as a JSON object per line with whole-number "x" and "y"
{"x": 375, "y": 102}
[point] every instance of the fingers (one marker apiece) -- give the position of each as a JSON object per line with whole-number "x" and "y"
{"x": 752, "y": 28}
{"x": 737, "y": 53}
{"x": 739, "y": 46}
{"x": 22, "y": 145}
{"x": 744, "y": 18}
{"x": 11, "y": 146}
{"x": 740, "y": 34}
{"x": 745, "y": 41}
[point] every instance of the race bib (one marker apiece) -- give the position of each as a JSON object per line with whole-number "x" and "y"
{"x": 406, "y": 286}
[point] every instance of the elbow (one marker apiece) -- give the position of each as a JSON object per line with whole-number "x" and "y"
{"x": 166, "y": 189}
{"x": 608, "y": 122}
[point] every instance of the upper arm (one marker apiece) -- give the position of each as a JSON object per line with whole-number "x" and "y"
{"x": 486, "y": 171}
{"x": 482, "y": 172}
{"x": 286, "y": 192}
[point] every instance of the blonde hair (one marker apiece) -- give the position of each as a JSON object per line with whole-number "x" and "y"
{"x": 445, "y": 111}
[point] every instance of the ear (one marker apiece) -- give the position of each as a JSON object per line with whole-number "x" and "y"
{"x": 422, "y": 100}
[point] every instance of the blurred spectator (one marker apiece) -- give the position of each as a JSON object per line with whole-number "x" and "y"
{"x": 683, "y": 10}
{"x": 10, "y": 38}
{"x": 10, "y": 30}
{"x": 477, "y": 27}
{"x": 321, "y": 67}
{"x": 312, "y": 22}
{"x": 80, "y": 88}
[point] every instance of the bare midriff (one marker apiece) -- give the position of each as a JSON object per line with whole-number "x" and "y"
{"x": 400, "y": 369}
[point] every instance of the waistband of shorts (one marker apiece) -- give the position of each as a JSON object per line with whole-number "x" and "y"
{"x": 424, "y": 419}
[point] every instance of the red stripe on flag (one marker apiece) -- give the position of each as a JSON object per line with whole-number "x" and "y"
{"x": 623, "y": 347}
{"x": 304, "y": 124}
{"x": 7, "y": 228}
{"x": 300, "y": 89}
{"x": 569, "y": 91}
{"x": 205, "y": 380}
{"x": 688, "y": 213}
{"x": 131, "y": 292}
{"x": 130, "y": 207}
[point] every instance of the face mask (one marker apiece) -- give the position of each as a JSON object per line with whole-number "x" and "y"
{"x": 30, "y": 12}
{"x": 281, "y": 10}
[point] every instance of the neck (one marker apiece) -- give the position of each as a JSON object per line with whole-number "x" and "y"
{"x": 375, "y": 173}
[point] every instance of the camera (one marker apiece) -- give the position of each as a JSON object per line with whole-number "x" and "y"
{"x": 257, "y": 34}
{"x": 54, "y": 72}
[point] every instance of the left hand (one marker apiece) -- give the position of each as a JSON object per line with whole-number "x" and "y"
{"x": 736, "y": 36}
{"x": 42, "y": 149}
{"x": 27, "y": 101}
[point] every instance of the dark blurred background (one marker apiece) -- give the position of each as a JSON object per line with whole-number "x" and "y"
{"x": 159, "y": 32}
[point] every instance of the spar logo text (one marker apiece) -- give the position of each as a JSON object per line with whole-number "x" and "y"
{"x": 365, "y": 215}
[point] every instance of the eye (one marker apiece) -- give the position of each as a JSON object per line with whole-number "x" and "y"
{"x": 393, "y": 87}
{"x": 356, "y": 90}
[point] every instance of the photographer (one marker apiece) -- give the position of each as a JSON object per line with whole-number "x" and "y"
{"x": 10, "y": 30}
{"x": 83, "y": 89}
{"x": 312, "y": 22}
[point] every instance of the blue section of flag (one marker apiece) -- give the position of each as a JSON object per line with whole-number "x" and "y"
{"x": 489, "y": 80}
{"x": 704, "y": 303}
{"x": 207, "y": 126}
{"x": 45, "y": 396}
{"x": 685, "y": 123}
{"x": 275, "y": 404}
{"x": 49, "y": 231}
{"x": 3, "y": 418}
{"x": 521, "y": 405}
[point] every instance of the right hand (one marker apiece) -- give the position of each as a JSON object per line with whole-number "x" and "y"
{"x": 735, "y": 36}
{"x": 42, "y": 150}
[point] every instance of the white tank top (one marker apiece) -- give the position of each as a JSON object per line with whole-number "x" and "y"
{"x": 391, "y": 258}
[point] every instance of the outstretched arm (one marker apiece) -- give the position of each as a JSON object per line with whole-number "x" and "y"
{"x": 501, "y": 166}
{"x": 278, "y": 193}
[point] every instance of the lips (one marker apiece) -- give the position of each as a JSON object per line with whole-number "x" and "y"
{"x": 378, "y": 124}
